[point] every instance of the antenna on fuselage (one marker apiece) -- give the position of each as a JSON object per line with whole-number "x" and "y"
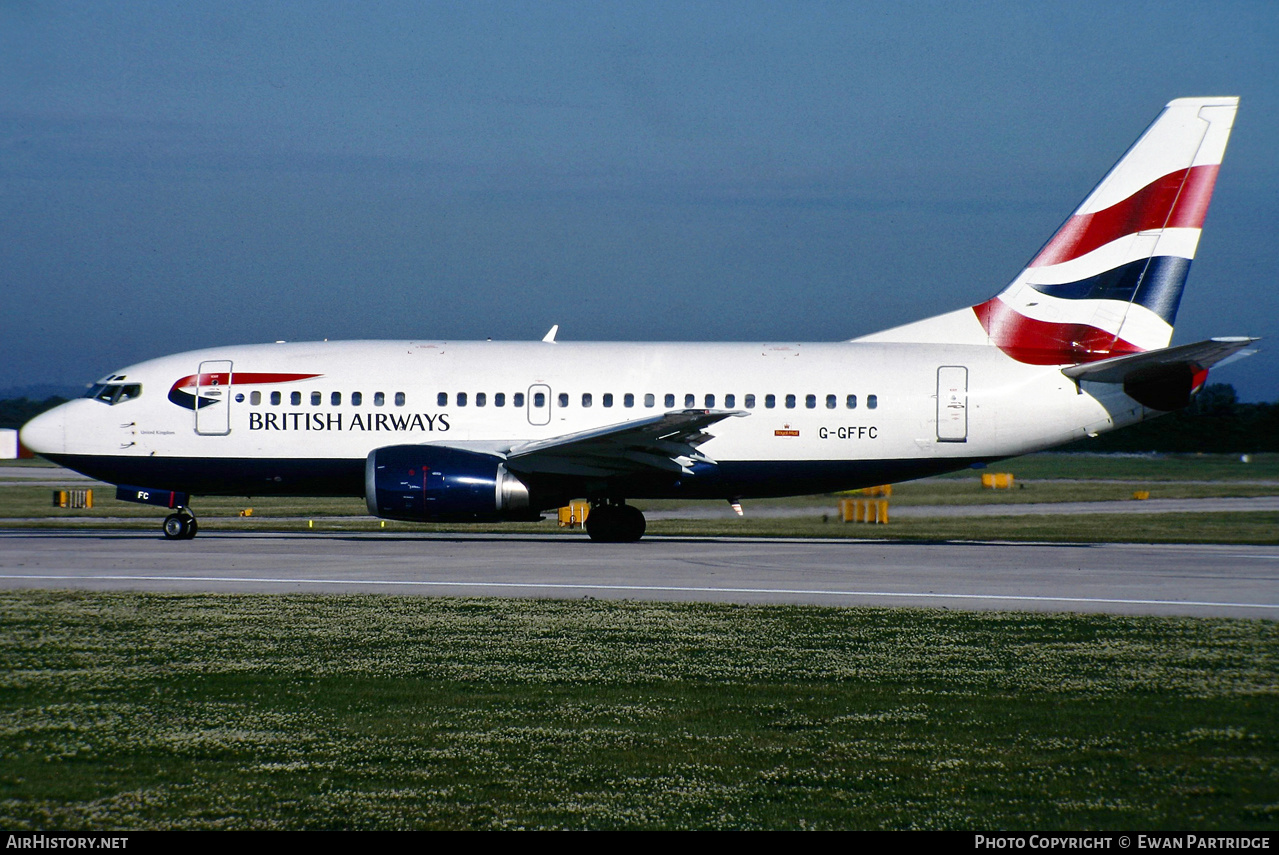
{"x": 550, "y": 336}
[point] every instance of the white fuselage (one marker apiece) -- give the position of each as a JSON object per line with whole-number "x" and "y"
{"x": 915, "y": 408}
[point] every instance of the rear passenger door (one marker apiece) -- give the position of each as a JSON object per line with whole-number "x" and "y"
{"x": 952, "y": 403}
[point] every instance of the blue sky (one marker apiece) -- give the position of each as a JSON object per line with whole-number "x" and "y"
{"x": 175, "y": 176}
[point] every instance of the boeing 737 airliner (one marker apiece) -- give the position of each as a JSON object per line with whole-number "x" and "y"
{"x": 467, "y": 431}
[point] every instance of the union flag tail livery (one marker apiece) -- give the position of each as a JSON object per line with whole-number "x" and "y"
{"x": 438, "y": 431}
{"x": 1109, "y": 282}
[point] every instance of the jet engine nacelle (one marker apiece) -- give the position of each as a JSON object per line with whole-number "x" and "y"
{"x": 432, "y": 483}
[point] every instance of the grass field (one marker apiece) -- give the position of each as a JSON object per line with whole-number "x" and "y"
{"x": 125, "y": 711}
{"x": 1144, "y": 467}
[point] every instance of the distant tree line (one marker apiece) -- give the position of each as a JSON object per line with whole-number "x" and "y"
{"x": 1214, "y": 422}
{"x": 15, "y": 412}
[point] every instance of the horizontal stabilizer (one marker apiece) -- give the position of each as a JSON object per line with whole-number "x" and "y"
{"x": 1201, "y": 355}
{"x": 1164, "y": 379}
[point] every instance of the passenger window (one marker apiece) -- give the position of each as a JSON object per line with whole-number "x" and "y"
{"x": 499, "y": 399}
{"x": 442, "y": 399}
{"x": 586, "y": 399}
{"x": 316, "y": 399}
{"x": 399, "y": 399}
{"x": 608, "y": 399}
{"x": 539, "y": 399}
{"x": 650, "y": 399}
{"x": 335, "y": 400}
{"x": 872, "y": 401}
{"x": 730, "y": 401}
{"x": 790, "y": 402}
{"x": 275, "y": 399}
{"x": 378, "y": 399}
{"x": 770, "y": 401}
{"x": 295, "y": 398}
{"x": 851, "y": 403}
{"x": 710, "y": 401}
{"x": 461, "y": 399}
{"x": 830, "y": 402}
{"x": 670, "y": 400}
{"x": 563, "y": 399}
{"x": 481, "y": 399}
{"x": 690, "y": 401}
{"x": 517, "y": 399}
{"x": 357, "y": 398}
{"x": 628, "y": 400}
{"x": 810, "y": 401}
{"x": 239, "y": 398}
{"x": 750, "y": 402}
{"x": 255, "y": 398}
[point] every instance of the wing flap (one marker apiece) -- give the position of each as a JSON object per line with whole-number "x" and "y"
{"x": 664, "y": 443}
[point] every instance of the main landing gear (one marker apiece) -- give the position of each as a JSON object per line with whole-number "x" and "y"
{"x": 614, "y": 522}
{"x": 180, "y": 526}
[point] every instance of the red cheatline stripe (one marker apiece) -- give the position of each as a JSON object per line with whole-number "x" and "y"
{"x": 241, "y": 378}
{"x": 1178, "y": 200}
{"x": 1045, "y": 343}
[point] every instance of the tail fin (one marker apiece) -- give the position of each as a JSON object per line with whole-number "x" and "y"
{"x": 1110, "y": 280}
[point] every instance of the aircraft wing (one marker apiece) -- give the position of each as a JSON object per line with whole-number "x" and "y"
{"x": 1198, "y": 356}
{"x": 666, "y": 442}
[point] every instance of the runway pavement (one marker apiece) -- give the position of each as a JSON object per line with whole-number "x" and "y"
{"x": 1220, "y": 505}
{"x": 1196, "y": 580}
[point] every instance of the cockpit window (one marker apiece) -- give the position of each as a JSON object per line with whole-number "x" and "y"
{"x": 114, "y": 393}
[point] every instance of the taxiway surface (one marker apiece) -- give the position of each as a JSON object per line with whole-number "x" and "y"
{"x": 1196, "y": 580}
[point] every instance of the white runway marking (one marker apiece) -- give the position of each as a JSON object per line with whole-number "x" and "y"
{"x": 690, "y": 589}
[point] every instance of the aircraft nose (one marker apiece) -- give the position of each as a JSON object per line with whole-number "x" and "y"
{"x": 46, "y": 433}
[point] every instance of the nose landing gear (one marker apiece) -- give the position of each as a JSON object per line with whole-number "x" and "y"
{"x": 180, "y": 526}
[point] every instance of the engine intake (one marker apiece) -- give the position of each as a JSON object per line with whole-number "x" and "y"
{"x": 432, "y": 483}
